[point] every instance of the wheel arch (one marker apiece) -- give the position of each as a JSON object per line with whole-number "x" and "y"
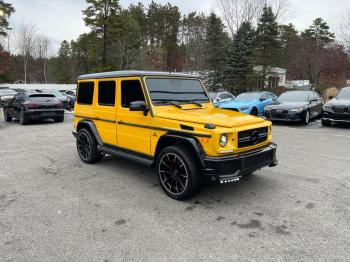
{"x": 87, "y": 124}
{"x": 174, "y": 139}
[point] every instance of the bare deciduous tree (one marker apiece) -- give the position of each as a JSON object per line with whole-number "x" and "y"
{"x": 26, "y": 39}
{"x": 42, "y": 49}
{"x": 345, "y": 31}
{"x": 235, "y": 12}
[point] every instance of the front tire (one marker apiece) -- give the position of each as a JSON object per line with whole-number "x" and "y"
{"x": 254, "y": 112}
{"x": 177, "y": 172}
{"x": 306, "y": 119}
{"x": 6, "y": 116}
{"x": 326, "y": 123}
{"x": 87, "y": 147}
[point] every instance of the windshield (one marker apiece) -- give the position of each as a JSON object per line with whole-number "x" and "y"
{"x": 57, "y": 93}
{"x": 344, "y": 94}
{"x": 248, "y": 96}
{"x": 4, "y": 92}
{"x": 163, "y": 90}
{"x": 294, "y": 97}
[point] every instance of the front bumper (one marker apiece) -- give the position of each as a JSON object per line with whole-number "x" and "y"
{"x": 288, "y": 117}
{"x": 336, "y": 117}
{"x": 43, "y": 113}
{"x": 231, "y": 168}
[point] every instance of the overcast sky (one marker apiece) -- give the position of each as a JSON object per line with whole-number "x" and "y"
{"x": 62, "y": 19}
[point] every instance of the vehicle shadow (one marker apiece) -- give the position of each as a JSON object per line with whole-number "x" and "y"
{"x": 248, "y": 188}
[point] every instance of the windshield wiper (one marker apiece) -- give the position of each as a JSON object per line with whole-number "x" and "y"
{"x": 167, "y": 103}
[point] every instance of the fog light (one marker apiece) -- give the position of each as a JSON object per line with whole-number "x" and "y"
{"x": 223, "y": 140}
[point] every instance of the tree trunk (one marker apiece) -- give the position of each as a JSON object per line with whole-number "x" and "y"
{"x": 45, "y": 80}
{"x": 104, "y": 51}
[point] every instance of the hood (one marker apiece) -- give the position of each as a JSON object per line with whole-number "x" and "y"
{"x": 287, "y": 105}
{"x": 237, "y": 103}
{"x": 216, "y": 116}
{"x": 339, "y": 102}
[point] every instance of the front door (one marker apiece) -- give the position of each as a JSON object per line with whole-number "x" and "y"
{"x": 105, "y": 110}
{"x": 133, "y": 131}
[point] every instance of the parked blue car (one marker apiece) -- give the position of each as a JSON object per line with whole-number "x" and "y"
{"x": 252, "y": 103}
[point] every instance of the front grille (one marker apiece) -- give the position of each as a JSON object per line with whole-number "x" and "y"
{"x": 252, "y": 137}
{"x": 279, "y": 113}
{"x": 341, "y": 109}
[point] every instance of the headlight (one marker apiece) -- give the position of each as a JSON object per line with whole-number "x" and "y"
{"x": 68, "y": 99}
{"x": 243, "y": 108}
{"x": 223, "y": 140}
{"x": 327, "y": 107}
{"x": 267, "y": 108}
{"x": 297, "y": 110}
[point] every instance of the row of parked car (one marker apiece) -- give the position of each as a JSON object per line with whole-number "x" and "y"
{"x": 27, "y": 105}
{"x": 291, "y": 106}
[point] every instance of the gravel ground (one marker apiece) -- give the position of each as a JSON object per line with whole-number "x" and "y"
{"x": 53, "y": 207}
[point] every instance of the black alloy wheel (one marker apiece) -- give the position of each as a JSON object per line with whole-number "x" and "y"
{"x": 254, "y": 112}
{"x": 177, "y": 173}
{"x": 87, "y": 147}
{"x": 23, "y": 120}
{"x": 6, "y": 116}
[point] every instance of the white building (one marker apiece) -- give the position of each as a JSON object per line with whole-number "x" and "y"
{"x": 275, "y": 76}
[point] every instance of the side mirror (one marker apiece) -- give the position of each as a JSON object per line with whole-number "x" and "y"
{"x": 262, "y": 99}
{"x": 138, "y": 106}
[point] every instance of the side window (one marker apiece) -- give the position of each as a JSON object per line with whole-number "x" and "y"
{"x": 106, "y": 93}
{"x": 225, "y": 96}
{"x": 271, "y": 96}
{"x": 85, "y": 93}
{"x": 131, "y": 91}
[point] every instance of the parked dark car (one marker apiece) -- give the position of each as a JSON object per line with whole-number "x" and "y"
{"x": 6, "y": 94}
{"x": 32, "y": 106}
{"x": 63, "y": 98}
{"x": 337, "y": 109}
{"x": 295, "y": 106}
{"x": 71, "y": 98}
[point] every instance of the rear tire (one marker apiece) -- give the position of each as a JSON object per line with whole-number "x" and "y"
{"x": 326, "y": 123}
{"x": 59, "y": 119}
{"x": 178, "y": 175}
{"x": 23, "y": 120}
{"x": 87, "y": 147}
{"x": 6, "y": 116}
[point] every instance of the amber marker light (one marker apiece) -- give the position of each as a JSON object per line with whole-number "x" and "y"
{"x": 205, "y": 140}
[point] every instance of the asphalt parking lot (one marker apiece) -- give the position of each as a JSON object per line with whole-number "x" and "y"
{"x": 55, "y": 208}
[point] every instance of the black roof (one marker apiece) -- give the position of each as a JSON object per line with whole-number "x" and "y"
{"x": 132, "y": 73}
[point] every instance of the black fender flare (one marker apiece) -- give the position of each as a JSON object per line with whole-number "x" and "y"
{"x": 191, "y": 141}
{"x": 91, "y": 126}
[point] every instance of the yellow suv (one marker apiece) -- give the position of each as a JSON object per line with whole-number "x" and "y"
{"x": 167, "y": 120}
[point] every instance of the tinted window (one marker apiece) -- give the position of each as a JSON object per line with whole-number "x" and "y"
{"x": 180, "y": 90}
{"x": 106, "y": 93}
{"x": 131, "y": 92}
{"x": 85, "y": 93}
{"x": 225, "y": 96}
{"x": 270, "y": 96}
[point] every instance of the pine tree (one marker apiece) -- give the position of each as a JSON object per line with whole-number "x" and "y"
{"x": 6, "y": 11}
{"x": 98, "y": 15}
{"x": 216, "y": 42}
{"x": 238, "y": 65}
{"x": 319, "y": 31}
{"x": 267, "y": 45}
{"x": 62, "y": 64}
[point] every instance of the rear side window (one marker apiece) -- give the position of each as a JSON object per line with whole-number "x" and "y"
{"x": 131, "y": 92}
{"x": 85, "y": 93}
{"x": 106, "y": 93}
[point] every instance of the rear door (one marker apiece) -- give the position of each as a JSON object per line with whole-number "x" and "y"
{"x": 133, "y": 131}
{"x": 105, "y": 110}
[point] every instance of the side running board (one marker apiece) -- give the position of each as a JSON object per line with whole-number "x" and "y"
{"x": 128, "y": 155}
